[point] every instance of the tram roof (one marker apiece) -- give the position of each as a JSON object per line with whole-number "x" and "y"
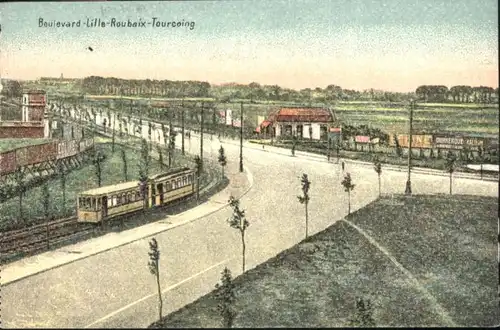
{"x": 109, "y": 189}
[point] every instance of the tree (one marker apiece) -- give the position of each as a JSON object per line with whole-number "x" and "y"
{"x": 238, "y": 221}
{"x": 113, "y": 136}
{"x": 154, "y": 268}
{"x": 304, "y": 199}
{"x": 46, "y": 200}
{"x": 97, "y": 161}
{"x": 294, "y": 143}
{"x": 378, "y": 169}
{"x": 198, "y": 167}
{"x": 19, "y": 177}
{"x": 348, "y": 186}
{"x": 144, "y": 171}
{"x": 363, "y": 315}
{"x": 61, "y": 171}
{"x": 171, "y": 147}
{"x": 225, "y": 295}
{"x": 160, "y": 158}
{"x": 125, "y": 167}
{"x": 222, "y": 159}
{"x": 450, "y": 166}
{"x": 12, "y": 88}
{"x": 398, "y": 147}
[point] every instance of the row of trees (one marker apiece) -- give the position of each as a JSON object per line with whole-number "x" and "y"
{"x": 147, "y": 87}
{"x": 225, "y": 292}
{"x": 257, "y": 92}
{"x": 457, "y": 94}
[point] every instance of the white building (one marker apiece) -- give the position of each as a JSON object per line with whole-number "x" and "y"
{"x": 304, "y": 123}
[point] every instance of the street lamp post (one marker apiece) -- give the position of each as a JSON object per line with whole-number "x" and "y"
{"x": 201, "y": 132}
{"x": 241, "y": 137}
{"x": 182, "y": 123}
{"x": 408, "y": 182}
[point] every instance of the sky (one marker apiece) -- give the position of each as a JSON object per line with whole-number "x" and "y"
{"x": 356, "y": 44}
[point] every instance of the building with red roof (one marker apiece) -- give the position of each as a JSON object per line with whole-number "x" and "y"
{"x": 299, "y": 121}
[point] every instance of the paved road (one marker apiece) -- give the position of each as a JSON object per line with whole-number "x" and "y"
{"x": 115, "y": 289}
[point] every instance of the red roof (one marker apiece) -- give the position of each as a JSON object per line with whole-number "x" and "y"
{"x": 303, "y": 115}
{"x": 265, "y": 123}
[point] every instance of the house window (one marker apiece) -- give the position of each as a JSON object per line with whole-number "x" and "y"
{"x": 323, "y": 132}
{"x": 300, "y": 129}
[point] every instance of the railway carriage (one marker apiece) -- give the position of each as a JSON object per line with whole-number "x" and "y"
{"x": 96, "y": 205}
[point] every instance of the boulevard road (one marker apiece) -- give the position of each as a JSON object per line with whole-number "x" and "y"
{"x": 115, "y": 288}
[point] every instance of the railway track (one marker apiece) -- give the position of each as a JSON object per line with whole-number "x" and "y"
{"x": 29, "y": 241}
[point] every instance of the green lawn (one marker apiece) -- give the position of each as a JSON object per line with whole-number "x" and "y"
{"x": 429, "y": 261}
{"x": 9, "y": 144}
{"x": 78, "y": 180}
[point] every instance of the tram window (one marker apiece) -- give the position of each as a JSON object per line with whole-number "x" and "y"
{"x": 98, "y": 204}
{"x": 110, "y": 202}
{"x": 174, "y": 186}
{"x": 169, "y": 186}
{"x": 178, "y": 183}
{"x": 115, "y": 200}
{"x": 92, "y": 204}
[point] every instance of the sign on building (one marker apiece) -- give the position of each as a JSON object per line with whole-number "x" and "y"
{"x": 362, "y": 139}
{"x": 229, "y": 117}
{"x": 222, "y": 117}
{"x": 335, "y": 135}
{"x": 458, "y": 142}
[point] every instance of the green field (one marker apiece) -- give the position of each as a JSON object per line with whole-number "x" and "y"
{"x": 9, "y": 144}
{"x": 426, "y": 261}
{"x": 81, "y": 179}
{"x": 482, "y": 119}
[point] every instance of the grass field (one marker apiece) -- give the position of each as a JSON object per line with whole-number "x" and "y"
{"x": 78, "y": 180}
{"x": 425, "y": 261}
{"x": 9, "y": 144}
{"x": 452, "y": 118}
{"x": 391, "y": 117}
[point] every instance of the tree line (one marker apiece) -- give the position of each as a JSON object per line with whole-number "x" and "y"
{"x": 256, "y": 92}
{"x": 456, "y": 94}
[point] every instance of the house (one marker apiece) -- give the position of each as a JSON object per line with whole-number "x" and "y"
{"x": 308, "y": 123}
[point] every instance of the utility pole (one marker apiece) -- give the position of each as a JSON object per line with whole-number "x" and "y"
{"x": 408, "y": 183}
{"x": 328, "y": 144}
{"x": 241, "y": 137}
{"x": 201, "y": 132}
{"x": 182, "y": 124}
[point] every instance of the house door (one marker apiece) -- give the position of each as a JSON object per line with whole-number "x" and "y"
{"x": 104, "y": 207}
{"x": 160, "y": 191}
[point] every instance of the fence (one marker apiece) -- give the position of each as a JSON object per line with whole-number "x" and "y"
{"x": 35, "y": 154}
{"x": 41, "y": 237}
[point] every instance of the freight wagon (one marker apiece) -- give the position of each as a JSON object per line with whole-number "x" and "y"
{"x": 7, "y": 162}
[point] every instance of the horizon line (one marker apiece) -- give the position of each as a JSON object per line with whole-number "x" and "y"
{"x": 222, "y": 84}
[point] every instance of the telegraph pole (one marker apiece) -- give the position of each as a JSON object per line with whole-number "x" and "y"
{"x": 241, "y": 137}
{"x": 182, "y": 123}
{"x": 201, "y": 132}
{"x": 408, "y": 183}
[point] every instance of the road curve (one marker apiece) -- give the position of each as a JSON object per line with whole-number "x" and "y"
{"x": 115, "y": 288}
